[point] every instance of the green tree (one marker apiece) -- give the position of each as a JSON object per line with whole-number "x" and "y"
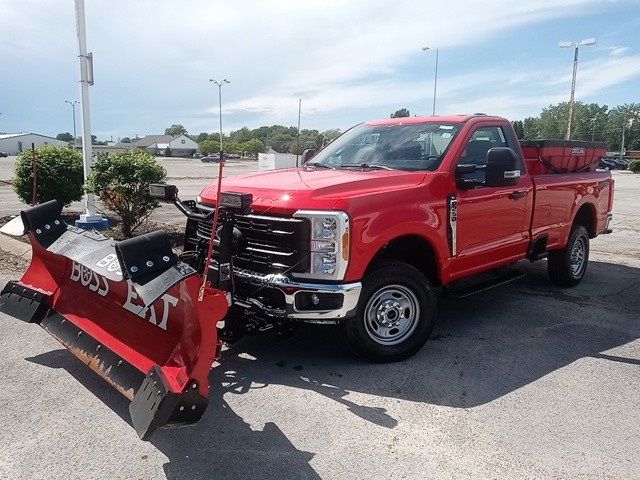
{"x": 209, "y": 146}
{"x": 403, "y": 112}
{"x": 65, "y": 137}
{"x": 231, "y": 146}
{"x": 175, "y": 130}
{"x": 329, "y": 136}
{"x": 122, "y": 181}
{"x": 253, "y": 146}
{"x": 518, "y": 126}
{"x": 125, "y": 140}
{"x": 59, "y": 175}
{"x": 201, "y": 137}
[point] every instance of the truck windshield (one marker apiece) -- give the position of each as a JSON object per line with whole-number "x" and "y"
{"x": 397, "y": 147}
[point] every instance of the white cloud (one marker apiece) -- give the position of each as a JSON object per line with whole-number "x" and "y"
{"x": 617, "y": 51}
{"x": 153, "y": 59}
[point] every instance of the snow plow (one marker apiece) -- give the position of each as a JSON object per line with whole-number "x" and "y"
{"x": 131, "y": 310}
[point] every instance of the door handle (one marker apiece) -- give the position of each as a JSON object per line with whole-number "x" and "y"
{"x": 517, "y": 195}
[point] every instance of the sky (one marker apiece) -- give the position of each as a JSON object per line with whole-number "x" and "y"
{"x": 349, "y": 61}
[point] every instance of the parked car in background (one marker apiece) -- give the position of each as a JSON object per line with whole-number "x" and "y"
{"x": 613, "y": 163}
{"x": 4, "y": 154}
{"x": 210, "y": 159}
{"x": 197, "y": 155}
{"x": 607, "y": 163}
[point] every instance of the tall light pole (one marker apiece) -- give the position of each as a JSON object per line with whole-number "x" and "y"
{"x": 219, "y": 84}
{"x": 435, "y": 77}
{"x": 625, "y": 121}
{"x": 585, "y": 42}
{"x": 73, "y": 109}
{"x": 298, "y": 138}
{"x": 88, "y": 220}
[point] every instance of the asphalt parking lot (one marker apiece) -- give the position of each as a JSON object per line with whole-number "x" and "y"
{"x": 523, "y": 381}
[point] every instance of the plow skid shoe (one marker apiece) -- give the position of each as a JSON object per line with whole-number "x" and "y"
{"x": 129, "y": 310}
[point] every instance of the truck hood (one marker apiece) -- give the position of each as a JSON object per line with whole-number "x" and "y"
{"x": 288, "y": 190}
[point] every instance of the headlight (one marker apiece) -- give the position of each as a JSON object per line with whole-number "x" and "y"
{"x": 329, "y": 244}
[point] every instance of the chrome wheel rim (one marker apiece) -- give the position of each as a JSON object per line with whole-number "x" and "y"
{"x": 391, "y": 315}
{"x": 578, "y": 257}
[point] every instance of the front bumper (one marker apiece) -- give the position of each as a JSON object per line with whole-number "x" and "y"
{"x": 340, "y": 300}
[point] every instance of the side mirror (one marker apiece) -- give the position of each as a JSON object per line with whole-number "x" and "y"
{"x": 163, "y": 191}
{"x": 502, "y": 167}
{"x": 307, "y": 155}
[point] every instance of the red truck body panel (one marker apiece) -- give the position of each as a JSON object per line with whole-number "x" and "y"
{"x": 494, "y": 228}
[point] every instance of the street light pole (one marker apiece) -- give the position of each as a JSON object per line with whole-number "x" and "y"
{"x": 88, "y": 220}
{"x": 298, "y": 138}
{"x": 576, "y": 45}
{"x": 73, "y": 110}
{"x": 219, "y": 84}
{"x": 435, "y": 78}
{"x": 625, "y": 121}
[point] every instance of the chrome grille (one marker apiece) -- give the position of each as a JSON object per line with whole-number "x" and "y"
{"x": 267, "y": 244}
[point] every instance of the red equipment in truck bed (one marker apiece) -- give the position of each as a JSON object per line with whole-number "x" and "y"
{"x": 545, "y": 157}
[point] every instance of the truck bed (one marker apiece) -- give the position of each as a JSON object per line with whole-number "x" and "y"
{"x": 558, "y": 197}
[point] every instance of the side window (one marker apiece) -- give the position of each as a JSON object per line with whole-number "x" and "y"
{"x": 482, "y": 140}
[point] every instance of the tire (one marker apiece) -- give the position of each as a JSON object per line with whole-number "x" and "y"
{"x": 567, "y": 267}
{"x": 395, "y": 314}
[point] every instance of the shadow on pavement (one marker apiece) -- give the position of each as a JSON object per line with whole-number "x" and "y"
{"x": 484, "y": 347}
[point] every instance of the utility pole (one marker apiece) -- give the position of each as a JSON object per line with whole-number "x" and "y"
{"x": 298, "y": 140}
{"x": 219, "y": 84}
{"x": 625, "y": 121}
{"x": 89, "y": 220}
{"x": 585, "y": 42}
{"x": 73, "y": 110}
{"x": 435, "y": 77}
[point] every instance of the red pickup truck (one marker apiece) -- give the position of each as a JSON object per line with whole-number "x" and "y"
{"x": 369, "y": 232}
{"x": 374, "y": 227}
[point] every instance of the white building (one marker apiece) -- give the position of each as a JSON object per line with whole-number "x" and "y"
{"x": 14, "y": 143}
{"x": 167, "y": 145}
{"x": 273, "y": 160}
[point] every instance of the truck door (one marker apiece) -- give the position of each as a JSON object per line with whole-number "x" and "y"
{"x": 491, "y": 222}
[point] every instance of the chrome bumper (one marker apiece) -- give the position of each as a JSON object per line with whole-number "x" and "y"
{"x": 350, "y": 293}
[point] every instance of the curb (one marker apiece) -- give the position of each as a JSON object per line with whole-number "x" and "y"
{"x": 15, "y": 247}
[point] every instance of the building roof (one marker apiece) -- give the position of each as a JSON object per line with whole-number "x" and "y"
{"x": 151, "y": 139}
{"x": 11, "y": 135}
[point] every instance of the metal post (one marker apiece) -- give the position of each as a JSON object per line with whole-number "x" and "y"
{"x": 624, "y": 124}
{"x": 73, "y": 111}
{"x": 220, "y": 111}
{"x": 219, "y": 84}
{"x": 435, "y": 85}
{"x": 298, "y": 139}
{"x": 34, "y": 174}
{"x": 573, "y": 92}
{"x": 89, "y": 219}
{"x": 435, "y": 77}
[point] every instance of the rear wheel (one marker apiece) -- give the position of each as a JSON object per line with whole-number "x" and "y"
{"x": 567, "y": 267}
{"x": 395, "y": 315}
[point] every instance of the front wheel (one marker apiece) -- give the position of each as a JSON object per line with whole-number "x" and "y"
{"x": 567, "y": 267}
{"x": 395, "y": 315}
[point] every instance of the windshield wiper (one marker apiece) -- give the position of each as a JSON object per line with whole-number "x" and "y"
{"x": 366, "y": 165}
{"x": 316, "y": 164}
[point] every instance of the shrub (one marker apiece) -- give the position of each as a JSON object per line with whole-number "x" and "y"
{"x": 59, "y": 175}
{"x": 122, "y": 181}
{"x": 634, "y": 165}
